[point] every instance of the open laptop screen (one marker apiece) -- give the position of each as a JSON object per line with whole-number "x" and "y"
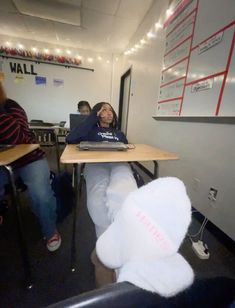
{"x": 76, "y": 119}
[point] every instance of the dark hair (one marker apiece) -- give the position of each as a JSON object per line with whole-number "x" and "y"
{"x": 83, "y": 104}
{"x": 98, "y": 106}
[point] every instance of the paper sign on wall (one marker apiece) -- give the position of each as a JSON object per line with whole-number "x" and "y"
{"x": 39, "y": 80}
{"x": 216, "y": 39}
{"x": 19, "y": 79}
{"x": 58, "y": 82}
{"x": 202, "y": 85}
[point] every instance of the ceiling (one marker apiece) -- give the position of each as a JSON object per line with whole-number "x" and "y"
{"x": 99, "y": 25}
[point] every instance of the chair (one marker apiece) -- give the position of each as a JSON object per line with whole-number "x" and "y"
{"x": 46, "y": 137}
{"x": 210, "y": 292}
{"x": 62, "y": 123}
{"x": 36, "y": 121}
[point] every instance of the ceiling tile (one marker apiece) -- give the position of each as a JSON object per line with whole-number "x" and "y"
{"x": 134, "y": 9}
{"x": 107, "y": 25}
{"x": 102, "y": 6}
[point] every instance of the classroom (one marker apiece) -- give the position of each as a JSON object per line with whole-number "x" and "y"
{"x": 164, "y": 72}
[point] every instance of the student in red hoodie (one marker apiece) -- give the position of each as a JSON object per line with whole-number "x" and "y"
{"x": 32, "y": 168}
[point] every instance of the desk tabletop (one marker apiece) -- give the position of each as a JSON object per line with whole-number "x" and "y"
{"x": 18, "y": 151}
{"x": 141, "y": 152}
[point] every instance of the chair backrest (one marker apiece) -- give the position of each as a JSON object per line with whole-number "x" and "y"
{"x": 62, "y": 123}
{"x": 212, "y": 292}
{"x": 35, "y": 121}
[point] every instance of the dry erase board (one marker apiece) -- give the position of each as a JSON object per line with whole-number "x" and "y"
{"x": 198, "y": 73}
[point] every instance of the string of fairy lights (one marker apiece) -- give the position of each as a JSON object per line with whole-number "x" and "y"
{"x": 151, "y": 34}
{"x": 67, "y": 53}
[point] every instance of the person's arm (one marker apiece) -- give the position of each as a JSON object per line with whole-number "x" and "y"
{"x": 13, "y": 123}
{"x": 80, "y": 132}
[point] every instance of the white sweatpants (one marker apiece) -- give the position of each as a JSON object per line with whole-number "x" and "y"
{"x": 108, "y": 184}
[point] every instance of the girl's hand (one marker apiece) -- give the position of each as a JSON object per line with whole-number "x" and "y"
{"x": 103, "y": 108}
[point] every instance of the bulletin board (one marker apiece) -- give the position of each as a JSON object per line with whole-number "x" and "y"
{"x": 198, "y": 73}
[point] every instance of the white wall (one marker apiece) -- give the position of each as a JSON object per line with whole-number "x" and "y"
{"x": 206, "y": 151}
{"x": 53, "y": 104}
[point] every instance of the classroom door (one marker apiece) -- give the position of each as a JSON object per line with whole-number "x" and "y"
{"x": 124, "y": 101}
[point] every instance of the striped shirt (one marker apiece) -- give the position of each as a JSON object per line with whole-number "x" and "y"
{"x": 14, "y": 129}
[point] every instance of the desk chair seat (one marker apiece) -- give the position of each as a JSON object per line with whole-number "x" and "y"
{"x": 206, "y": 293}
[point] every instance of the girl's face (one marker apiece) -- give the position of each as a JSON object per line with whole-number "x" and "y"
{"x": 106, "y": 115}
{"x": 84, "y": 110}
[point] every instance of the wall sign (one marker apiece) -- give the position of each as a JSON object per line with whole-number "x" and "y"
{"x": 40, "y": 80}
{"x": 216, "y": 39}
{"x": 202, "y": 85}
{"x": 18, "y": 68}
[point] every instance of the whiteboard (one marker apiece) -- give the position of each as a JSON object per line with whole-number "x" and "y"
{"x": 198, "y": 76}
{"x": 228, "y": 102}
{"x": 53, "y": 102}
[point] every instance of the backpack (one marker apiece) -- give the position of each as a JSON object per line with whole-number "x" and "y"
{"x": 63, "y": 190}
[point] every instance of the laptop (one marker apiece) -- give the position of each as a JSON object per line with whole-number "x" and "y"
{"x": 76, "y": 119}
{"x": 102, "y": 146}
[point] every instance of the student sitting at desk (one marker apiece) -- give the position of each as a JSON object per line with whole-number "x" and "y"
{"x": 107, "y": 184}
{"x": 83, "y": 108}
{"x": 32, "y": 168}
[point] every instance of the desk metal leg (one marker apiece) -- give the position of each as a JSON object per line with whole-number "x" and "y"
{"x": 57, "y": 148}
{"x": 156, "y": 169}
{"x": 153, "y": 175}
{"x": 78, "y": 192}
{"x": 22, "y": 244}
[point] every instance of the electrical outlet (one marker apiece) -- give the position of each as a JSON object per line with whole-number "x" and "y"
{"x": 212, "y": 194}
{"x": 201, "y": 250}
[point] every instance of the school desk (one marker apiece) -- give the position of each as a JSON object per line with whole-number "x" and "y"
{"x": 6, "y": 158}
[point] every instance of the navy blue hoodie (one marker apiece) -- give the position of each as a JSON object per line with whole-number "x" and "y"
{"x": 89, "y": 130}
